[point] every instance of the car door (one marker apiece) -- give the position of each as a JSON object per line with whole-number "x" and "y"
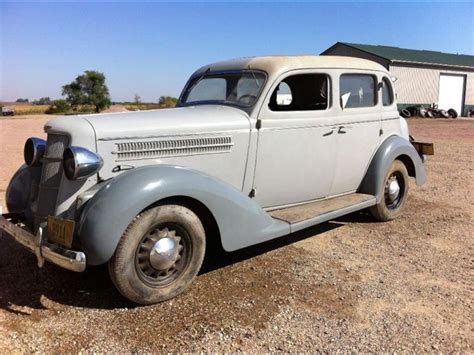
{"x": 296, "y": 141}
{"x": 358, "y": 128}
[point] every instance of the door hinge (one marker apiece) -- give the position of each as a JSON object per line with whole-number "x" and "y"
{"x": 259, "y": 124}
{"x": 252, "y": 193}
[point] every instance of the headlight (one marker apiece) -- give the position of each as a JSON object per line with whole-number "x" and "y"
{"x": 80, "y": 163}
{"x": 34, "y": 150}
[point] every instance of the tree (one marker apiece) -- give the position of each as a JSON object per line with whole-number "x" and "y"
{"x": 137, "y": 99}
{"x": 167, "y": 101}
{"x": 88, "y": 89}
{"x": 21, "y": 100}
{"x": 42, "y": 101}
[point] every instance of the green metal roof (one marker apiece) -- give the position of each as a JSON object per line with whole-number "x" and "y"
{"x": 415, "y": 56}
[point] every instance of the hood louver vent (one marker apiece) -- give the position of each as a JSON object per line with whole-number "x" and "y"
{"x": 173, "y": 147}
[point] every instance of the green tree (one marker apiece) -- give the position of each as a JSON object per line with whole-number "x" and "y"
{"x": 42, "y": 101}
{"x": 88, "y": 89}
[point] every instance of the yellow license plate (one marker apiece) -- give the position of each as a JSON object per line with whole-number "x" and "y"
{"x": 60, "y": 231}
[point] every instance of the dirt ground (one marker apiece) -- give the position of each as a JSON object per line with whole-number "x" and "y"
{"x": 350, "y": 284}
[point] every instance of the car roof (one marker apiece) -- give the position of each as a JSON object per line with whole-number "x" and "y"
{"x": 279, "y": 64}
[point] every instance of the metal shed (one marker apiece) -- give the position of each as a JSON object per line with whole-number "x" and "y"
{"x": 423, "y": 77}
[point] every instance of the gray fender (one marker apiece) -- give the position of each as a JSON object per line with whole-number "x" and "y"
{"x": 240, "y": 220}
{"x": 19, "y": 192}
{"x": 394, "y": 147}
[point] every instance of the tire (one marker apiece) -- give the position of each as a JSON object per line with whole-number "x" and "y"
{"x": 413, "y": 111}
{"x": 405, "y": 113}
{"x": 390, "y": 208}
{"x": 422, "y": 112}
{"x": 142, "y": 273}
{"x": 452, "y": 113}
{"x": 444, "y": 113}
{"x": 429, "y": 114}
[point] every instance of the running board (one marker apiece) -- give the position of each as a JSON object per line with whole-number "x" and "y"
{"x": 309, "y": 214}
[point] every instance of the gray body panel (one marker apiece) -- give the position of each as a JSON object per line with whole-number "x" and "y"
{"x": 218, "y": 155}
{"x": 241, "y": 221}
{"x": 392, "y": 148}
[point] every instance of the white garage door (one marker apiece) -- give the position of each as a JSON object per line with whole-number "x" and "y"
{"x": 451, "y": 92}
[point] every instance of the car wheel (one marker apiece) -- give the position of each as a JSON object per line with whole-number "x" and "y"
{"x": 453, "y": 113}
{"x": 394, "y": 193}
{"x": 159, "y": 254}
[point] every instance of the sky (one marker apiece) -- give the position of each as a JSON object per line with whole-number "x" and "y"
{"x": 150, "y": 49}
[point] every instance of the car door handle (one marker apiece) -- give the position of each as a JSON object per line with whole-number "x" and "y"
{"x": 341, "y": 130}
{"x": 330, "y": 132}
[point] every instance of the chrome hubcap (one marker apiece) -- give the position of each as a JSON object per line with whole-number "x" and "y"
{"x": 164, "y": 253}
{"x": 161, "y": 256}
{"x": 393, "y": 190}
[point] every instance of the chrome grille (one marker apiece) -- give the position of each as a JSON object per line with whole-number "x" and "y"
{"x": 173, "y": 147}
{"x": 50, "y": 177}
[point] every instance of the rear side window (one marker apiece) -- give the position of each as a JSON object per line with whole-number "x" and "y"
{"x": 357, "y": 90}
{"x": 301, "y": 92}
{"x": 387, "y": 92}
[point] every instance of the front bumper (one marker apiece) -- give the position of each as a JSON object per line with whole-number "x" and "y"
{"x": 54, "y": 253}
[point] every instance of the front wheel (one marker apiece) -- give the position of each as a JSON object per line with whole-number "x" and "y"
{"x": 159, "y": 254}
{"x": 394, "y": 194}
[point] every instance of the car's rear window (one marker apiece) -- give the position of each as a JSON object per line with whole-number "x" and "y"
{"x": 357, "y": 90}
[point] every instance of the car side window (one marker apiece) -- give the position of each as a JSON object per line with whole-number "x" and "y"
{"x": 357, "y": 90}
{"x": 387, "y": 92}
{"x": 301, "y": 92}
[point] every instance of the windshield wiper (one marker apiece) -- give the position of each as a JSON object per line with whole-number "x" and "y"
{"x": 203, "y": 75}
{"x": 254, "y": 78}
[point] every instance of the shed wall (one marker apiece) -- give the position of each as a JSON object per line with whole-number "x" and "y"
{"x": 420, "y": 85}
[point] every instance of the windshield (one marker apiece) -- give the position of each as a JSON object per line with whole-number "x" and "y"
{"x": 236, "y": 88}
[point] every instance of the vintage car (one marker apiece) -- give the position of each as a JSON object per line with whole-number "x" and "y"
{"x": 257, "y": 148}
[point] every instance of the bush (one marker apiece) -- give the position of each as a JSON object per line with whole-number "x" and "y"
{"x": 58, "y": 106}
{"x": 167, "y": 101}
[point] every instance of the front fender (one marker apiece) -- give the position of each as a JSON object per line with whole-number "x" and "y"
{"x": 394, "y": 147}
{"x": 22, "y": 190}
{"x": 240, "y": 220}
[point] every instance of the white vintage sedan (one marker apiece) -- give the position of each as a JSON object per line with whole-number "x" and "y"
{"x": 257, "y": 148}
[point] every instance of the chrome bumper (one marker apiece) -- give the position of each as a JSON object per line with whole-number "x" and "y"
{"x": 65, "y": 258}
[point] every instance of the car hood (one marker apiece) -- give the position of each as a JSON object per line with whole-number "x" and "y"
{"x": 164, "y": 122}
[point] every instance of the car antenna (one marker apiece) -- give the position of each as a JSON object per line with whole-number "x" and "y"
{"x": 254, "y": 78}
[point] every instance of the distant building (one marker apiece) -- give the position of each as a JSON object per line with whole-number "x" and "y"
{"x": 423, "y": 77}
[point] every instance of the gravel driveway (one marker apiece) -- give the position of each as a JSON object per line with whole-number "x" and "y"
{"x": 350, "y": 284}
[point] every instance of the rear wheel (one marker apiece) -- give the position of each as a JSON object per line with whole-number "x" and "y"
{"x": 394, "y": 194}
{"x": 159, "y": 254}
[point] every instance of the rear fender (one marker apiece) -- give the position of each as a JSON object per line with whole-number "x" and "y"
{"x": 105, "y": 217}
{"x": 394, "y": 147}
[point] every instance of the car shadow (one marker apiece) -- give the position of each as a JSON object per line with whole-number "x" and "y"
{"x": 23, "y": 284}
